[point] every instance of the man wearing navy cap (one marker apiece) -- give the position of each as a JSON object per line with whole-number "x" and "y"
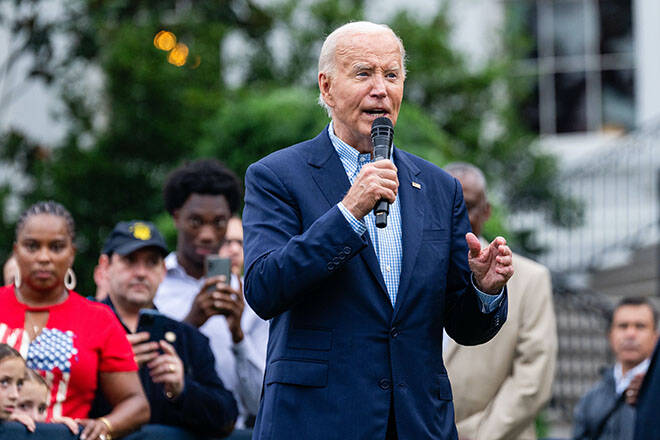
{"x": 176, "y": 363}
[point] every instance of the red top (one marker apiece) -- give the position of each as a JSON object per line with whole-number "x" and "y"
{"x": 80, "y": 339}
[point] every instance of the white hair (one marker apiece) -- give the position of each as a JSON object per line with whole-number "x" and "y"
{"x": 464, "y": 169}
{"x": 328, "y": 59}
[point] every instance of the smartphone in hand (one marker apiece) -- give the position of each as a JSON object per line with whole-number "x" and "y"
{"x": 156, "y": 324}
{"x": 216, "y": 265}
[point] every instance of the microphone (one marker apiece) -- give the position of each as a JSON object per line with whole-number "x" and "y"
{"x": 382, "y": 133}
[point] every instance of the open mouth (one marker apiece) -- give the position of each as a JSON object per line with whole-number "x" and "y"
{"x": 376, "y": 112}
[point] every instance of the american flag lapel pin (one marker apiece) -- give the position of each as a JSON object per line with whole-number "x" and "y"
{"x": 416, "y": 185}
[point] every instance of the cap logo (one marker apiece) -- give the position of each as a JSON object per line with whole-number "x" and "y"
{"x": 141, "y": 231}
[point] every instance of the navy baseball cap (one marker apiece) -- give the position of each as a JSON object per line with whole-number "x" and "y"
{"x": 128, "y": 237}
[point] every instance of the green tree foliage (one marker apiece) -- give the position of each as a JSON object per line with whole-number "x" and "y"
{"x": 144, "y": 116}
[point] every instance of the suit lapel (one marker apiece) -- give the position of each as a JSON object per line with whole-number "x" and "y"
{"x": 327, "y": 170}
{"x": 330, "y": 175}
{"x": 411, "y": 197}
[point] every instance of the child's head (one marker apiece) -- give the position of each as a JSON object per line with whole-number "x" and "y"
{"x": 12, "y": 373}
{"x": 33, "y": 397}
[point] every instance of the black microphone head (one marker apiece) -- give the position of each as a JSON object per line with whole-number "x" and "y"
{"x": 381, "y": 126}
{"x": 381, "y": 136}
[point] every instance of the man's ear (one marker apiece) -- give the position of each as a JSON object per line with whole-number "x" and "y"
{"x": 101, "y": 273}
{"x": 104, "y": 262}
{"x": 325, "y": 83}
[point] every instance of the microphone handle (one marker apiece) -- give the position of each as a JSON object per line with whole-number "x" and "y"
{"x": 381, "y": 211}
{"x": 382, "y": 208}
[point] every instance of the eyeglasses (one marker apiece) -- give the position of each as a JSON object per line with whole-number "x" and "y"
{"x": 230, "y": 241}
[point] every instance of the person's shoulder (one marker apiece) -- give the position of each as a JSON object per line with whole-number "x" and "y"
{"x": 89, "y": 305}
{"x": 424, "y": 165}
{"x": 7, "y": 295}
{"x": 605, "y": 386}
{"x": 6, "y": 290}
{"x": 297, "y": 152}
{"x": 90, "y": 310}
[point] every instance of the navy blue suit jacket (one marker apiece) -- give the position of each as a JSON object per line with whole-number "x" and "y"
{"x": 339, "y": 354}
{"x": 647, "y": 423}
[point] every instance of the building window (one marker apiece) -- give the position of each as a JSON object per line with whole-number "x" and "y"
{"x": 577, "y": 57}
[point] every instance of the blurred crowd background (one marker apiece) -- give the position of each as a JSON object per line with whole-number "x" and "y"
{"x": 557, "y": 101}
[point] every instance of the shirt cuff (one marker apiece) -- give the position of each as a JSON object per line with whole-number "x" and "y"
{"x": 358, "y": 226}
{"x": 488, "y": 302}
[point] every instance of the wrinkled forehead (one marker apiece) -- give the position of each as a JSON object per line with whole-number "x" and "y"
{"x": 381, "y": 44}
{"x": 633, "y": 313}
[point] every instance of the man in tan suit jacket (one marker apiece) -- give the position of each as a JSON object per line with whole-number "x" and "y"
{"x": 499, "y": 387}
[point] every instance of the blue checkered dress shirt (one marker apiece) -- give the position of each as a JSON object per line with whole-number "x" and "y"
{"x": 386, "y": 241}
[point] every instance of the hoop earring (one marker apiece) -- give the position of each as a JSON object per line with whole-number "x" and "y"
{"x": 70, "y": 279}
{"x": 17, "y": 278}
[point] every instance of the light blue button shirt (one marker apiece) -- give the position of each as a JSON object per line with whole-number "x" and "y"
{"x": 386, "y": 241}
{"x": 622, "y": 381}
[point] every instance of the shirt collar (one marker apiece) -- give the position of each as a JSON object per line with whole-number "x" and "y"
{"x": 622, "y": 381}
{"x": 350, "y": 157}
{"x": 173, "y": 267}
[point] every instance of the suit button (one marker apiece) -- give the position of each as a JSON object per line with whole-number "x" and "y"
{"x": 347, "y": 250}
{"x": 394, "y": 332}
{"x": 384, "y": 384}
{"x": 336, "y": 260}
{"x": 331, "y": 267}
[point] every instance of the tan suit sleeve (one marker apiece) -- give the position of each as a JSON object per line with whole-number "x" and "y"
{"x": 528, "y": 388}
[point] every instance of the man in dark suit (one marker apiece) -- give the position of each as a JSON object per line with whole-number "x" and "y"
{"x": 177, "y": 366}
{"x": 356, "y": 313}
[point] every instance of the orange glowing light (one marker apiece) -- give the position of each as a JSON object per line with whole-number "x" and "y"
{"x": 178, "y": 55}
{"x": 165, "y": 40}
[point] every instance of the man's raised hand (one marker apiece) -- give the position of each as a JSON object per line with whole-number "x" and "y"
{"x": 492, "y": 266}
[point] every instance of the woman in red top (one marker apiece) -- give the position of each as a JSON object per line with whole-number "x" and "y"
{"x": 77, "y": 344}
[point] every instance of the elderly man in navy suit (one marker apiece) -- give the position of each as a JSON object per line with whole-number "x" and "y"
{"x": 357, "y": 312}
